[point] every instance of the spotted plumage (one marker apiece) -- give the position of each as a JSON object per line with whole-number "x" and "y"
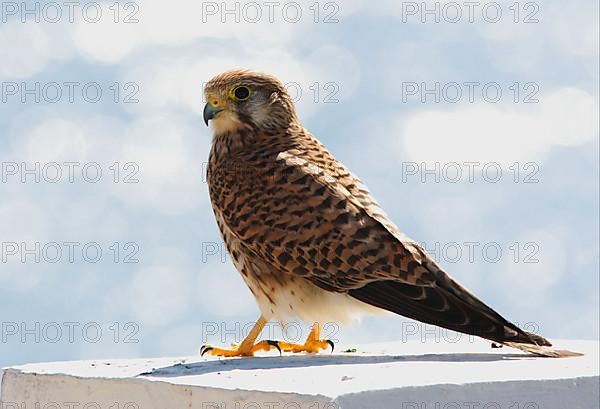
{"x": 308, "y": 238}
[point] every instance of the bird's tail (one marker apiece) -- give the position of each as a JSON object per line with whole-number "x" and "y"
{"x": 513, "y": 336}
{"x": 449, "y": 305}
{"x": 540, "y": 346}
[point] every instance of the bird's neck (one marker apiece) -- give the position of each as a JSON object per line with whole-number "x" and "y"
{"x": 230, "y": 144}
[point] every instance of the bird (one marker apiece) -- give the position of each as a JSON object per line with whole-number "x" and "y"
{"x": 309, "y": 239}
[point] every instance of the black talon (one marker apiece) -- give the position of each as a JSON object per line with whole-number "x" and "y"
{"x": 274, "y": 344}
{"x": 205, "y": 349}
{"x": 494, "y": 345}
{"x": 330, "y": 342}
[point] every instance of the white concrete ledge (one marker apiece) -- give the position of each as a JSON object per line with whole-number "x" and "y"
{"x": 413, "y": 375}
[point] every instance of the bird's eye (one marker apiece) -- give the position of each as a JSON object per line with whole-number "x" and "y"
{"x": 241, "y": 93}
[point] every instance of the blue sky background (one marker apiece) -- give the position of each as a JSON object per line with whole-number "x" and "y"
{"x": 171, "y": 299}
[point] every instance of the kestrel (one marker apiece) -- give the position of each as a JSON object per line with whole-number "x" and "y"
{"x": 307, "y": 236}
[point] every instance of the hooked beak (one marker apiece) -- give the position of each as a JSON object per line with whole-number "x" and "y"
{"x": 210, "y": 111}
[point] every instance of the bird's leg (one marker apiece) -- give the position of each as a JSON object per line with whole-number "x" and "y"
{"x": 247, "y": 347}
{"x": 312, "y": 345}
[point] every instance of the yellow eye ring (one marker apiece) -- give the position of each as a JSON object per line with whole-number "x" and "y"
{"x": 240, "y": 93}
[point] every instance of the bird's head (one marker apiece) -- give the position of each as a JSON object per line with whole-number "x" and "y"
{"x": 243, "y": 99}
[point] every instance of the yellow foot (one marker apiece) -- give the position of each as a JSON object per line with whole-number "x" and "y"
{"x": 241, "y": 350}
{"x": 310, "y": 346}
